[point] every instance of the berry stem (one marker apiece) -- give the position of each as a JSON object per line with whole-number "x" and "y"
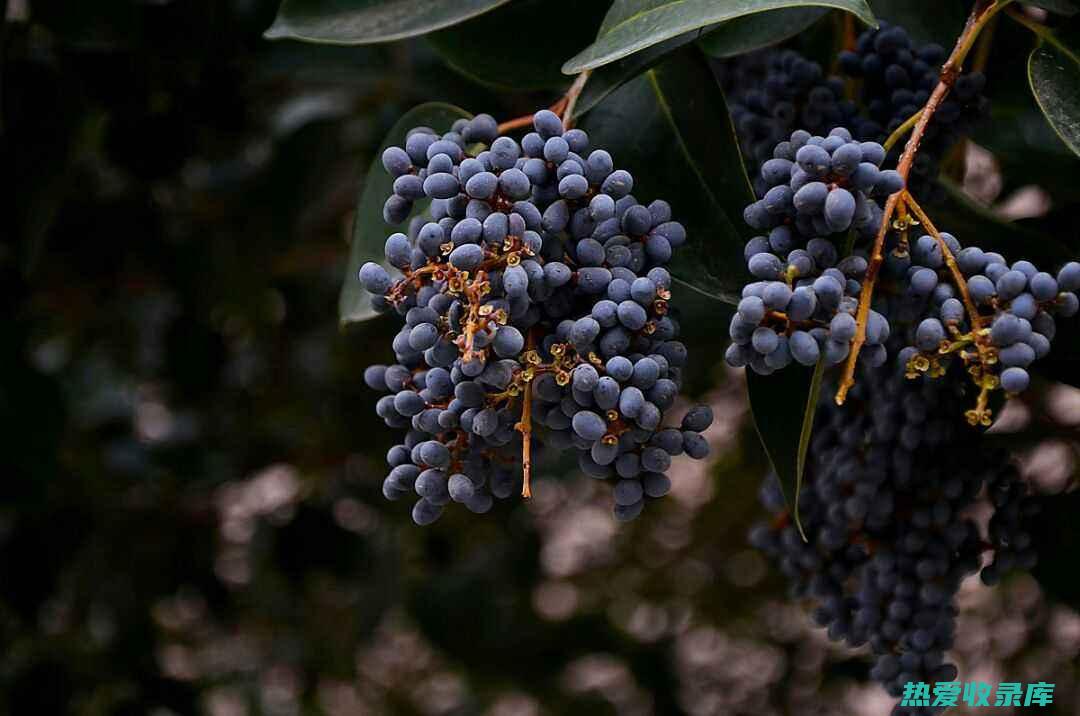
{"x": 572, "y": 95}
{"x": 954, "y": 269}
{"x": 981, "y": 413}
{"x": 524, "y": 426}
{"x": 900, "y": 131}
{"x": 564, "y": 107}
{"x": 980, "y": 15}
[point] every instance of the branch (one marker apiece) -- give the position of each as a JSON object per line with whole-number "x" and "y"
{"x": 564, "y": 107}
{"x": 981, "y": 14}
{"x": 572, "y": 95}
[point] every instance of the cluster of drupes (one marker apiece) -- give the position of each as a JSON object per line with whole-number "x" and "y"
{"x": 1015, "y": 310}
{"x": 885, "y": 506}
{"x": 821, "y": 199}
{"x": 773, "y": 92}
{"x": 536, "y": 306}
{"x": 892, "y": 474}
{"x": 896, "y": 79}
{"x": 802, "y": 305}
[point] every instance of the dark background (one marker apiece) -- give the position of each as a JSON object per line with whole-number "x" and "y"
{"x": 190, "y": 515}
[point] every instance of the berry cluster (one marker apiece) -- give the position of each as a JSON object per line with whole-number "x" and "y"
{"x": 773, "y": 92}
{"x": 890, "y": 479}
{"x": 535, "y": 300}
{"x": 822, "y": 185}
{"x": 1014, "y": 321}
{"x": 897, "y": 79}
{"x": 803, "y": 304}
{"x": 892, "y": 474}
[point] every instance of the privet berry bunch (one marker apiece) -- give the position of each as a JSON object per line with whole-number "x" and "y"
{"x": 1012, "y": 326}
{"x": 802, "y": 306}
{"x": 897, "y": 77}
{"x": 536, "y": 305}
{"x": 893, "y": 473}
{"x": 771, "y": 93}
{"x": 889, "y": 484}
{"x": 850, "y": 266}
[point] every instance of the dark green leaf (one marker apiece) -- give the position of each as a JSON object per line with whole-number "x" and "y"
{"x": 752, "y": 32}
{"x": 1027, "y": 149}
{"x": 633, "y": 25}
{"x": 671, "y": 129}
{"x": 360, "y": 22}
{"x": 942, "y": 26}
{"x": 605, "y": 80}
{"x": 483, "y": 48}
{"x": 1054, "y": 73}
{"x": 784, "y": 405}
{"x": 369, "y": 230}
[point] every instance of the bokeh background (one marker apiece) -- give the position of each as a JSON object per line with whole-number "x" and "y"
{"x": 191, "y": 519}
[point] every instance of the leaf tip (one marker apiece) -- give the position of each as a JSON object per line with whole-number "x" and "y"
{"x": 276, "y": 31}
{"x": 572, "y": 66}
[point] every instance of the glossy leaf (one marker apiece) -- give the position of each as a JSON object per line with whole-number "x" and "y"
{"x": 633, "y": 25}
{"x": 1054, "y": 74}
{"x": 369, "y": 230}
{"x": 484, "y": 50}
{"x": 784, "y": 405}
{"x": 671, "y": 129}
{"x": 753, "y": 32}
{"x": 361, "y": 22}
{"x": 605, "y": 80}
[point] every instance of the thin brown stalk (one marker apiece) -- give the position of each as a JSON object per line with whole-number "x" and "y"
{"x": 980, "y": 15}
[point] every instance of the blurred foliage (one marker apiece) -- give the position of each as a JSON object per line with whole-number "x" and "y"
{"x": 191, "y": 520}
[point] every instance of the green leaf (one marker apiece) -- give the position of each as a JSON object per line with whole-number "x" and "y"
{"x": 605, "y": 80}
{"x": 633, "y": 25}
{"x": 361, "y": 22}
{"x": 369, "y": 230}
{"x": 784, "y": 428}
{"x": 753, "y": 32}
{"x": 483, "y": 49}
{"x": 1054, "y": 74}
{"x": 942, "y": 26}
{"x": 671, "y": 129}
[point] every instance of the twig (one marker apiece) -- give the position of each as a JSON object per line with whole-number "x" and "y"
{"x": 981, "y": 14}
{"x": 950, "y": 261}
{"x": 525, "y": 428}
{"x": 526, "y": 120}
{"x": 900, "y": 131}
{"x": 981, "y": 414}
{"x": 572, "y": 95}
{"x": 564, "y": 107}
